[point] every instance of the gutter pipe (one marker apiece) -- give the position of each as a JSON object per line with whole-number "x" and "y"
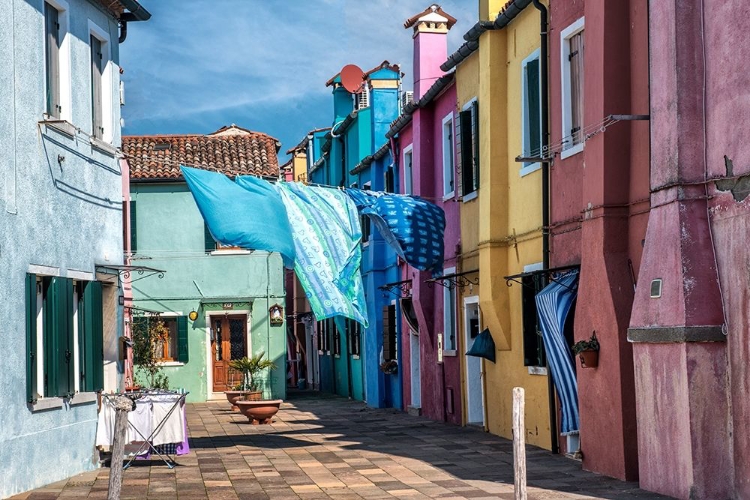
{"x": 544, "y": 60}
{"x": 137, "y": 13}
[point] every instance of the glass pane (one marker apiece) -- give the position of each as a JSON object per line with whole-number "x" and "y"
{"x": 237, "y": 338}
{"x": 217, "y": 342}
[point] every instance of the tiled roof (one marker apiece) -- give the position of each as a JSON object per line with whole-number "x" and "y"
{"x": 230, "y": 150}
{"x": 385, "y": 64}
{"x": 429, "y": 10}
{"x": 303, "y": 143}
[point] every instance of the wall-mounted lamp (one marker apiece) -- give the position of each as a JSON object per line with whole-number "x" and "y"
{"x": 276, "y": 313}
{"x": 193, "y": 315}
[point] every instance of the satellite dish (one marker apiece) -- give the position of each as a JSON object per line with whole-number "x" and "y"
{"x": 351, "y": 78}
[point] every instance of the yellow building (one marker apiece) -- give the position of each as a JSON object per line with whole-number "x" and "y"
{"x": 501, "y": 220}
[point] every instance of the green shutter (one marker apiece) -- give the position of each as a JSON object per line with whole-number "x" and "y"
{"x": 534, "y": 118}
{"x": 31, "y": 337}
{"x": 58, "y": 337}
{"x": 133, "y": 228}
{"x": 182, "y": 340}
{"x": 210, "y": 243}
{"x": 475, "y": 138}
{"x": 91, "y": 351}
{"x": 467, "y": 167}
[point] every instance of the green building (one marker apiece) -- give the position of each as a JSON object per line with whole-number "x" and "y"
{"x": 228, "y": 291}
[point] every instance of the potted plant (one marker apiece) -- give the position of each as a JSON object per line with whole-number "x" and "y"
{"x": 251, "y": 404}
{"x": 249, "y": 368}
{"x": 588, "y": 351}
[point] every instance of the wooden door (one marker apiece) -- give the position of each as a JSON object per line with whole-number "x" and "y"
{"x": 228, "y": 342}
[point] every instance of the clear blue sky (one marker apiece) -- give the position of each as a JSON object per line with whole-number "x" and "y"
{"x": 262, "y": 64}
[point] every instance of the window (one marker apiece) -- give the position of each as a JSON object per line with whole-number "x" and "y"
{"x": 389, "y": 333}
{"x": 52, "y": 39}
{"x": 531, "y": 118}
{"x": 364, "y": 221}
{"x": 168, "y": 336}
{"x": 468, "y": 121}
{"x": 448, "y": 165}
{"x": 336, "y": 337}
{"x": 101, "y": 84}
{"x": 354, "y": 336}
{"x": 133, "y": 228}
{"x": 64, "y": 337}
{"x": 449, "y": 314}
{"x": 533, "y": 344}
{"x": 571, "y": 39}
{"x": 390, "y": 186}
{"x": 324, "y": 345}
{"x": 408, "y": 160}
{"x": 97, "y": 69}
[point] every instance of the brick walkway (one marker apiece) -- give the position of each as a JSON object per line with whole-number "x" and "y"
{"x": 328, "y": 447}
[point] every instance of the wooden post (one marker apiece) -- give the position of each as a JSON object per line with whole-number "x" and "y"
{"x": 122, "y": 406}
{"x": 519, "y": 445}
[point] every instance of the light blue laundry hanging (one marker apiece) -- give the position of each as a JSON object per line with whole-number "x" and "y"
{"x": 326, "y": 232}
{"x": 248, "y": 214}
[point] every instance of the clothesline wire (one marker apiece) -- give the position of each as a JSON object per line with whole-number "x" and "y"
{"x": 270, "y": 179}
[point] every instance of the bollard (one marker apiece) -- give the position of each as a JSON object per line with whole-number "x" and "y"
{"x": 519, "y": 445}
{"x": 122, "y": 406}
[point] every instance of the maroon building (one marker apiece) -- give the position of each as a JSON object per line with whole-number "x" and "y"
{"x": 691, "y": 316}
{"x": 599, "y": 205}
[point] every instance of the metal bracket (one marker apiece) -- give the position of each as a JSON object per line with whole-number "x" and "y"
{"x": 397, "y": 288}
{"x": 458, "y": 280}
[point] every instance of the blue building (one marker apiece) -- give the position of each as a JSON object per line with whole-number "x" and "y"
{"x": 354, "y": 153}
{"x": 61, "y": 232}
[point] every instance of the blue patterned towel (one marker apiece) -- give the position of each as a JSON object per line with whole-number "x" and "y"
{"x": 326, "y": 233}
{"x": 415, "y": 228}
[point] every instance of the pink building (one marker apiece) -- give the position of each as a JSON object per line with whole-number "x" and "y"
{"x": 423, "y": 143}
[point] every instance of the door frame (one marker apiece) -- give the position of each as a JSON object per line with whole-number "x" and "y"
{"x": 210, "y": 394}
{"x": 473, "y": 301}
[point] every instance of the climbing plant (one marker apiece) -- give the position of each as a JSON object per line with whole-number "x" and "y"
{"x": 149, "y": 334}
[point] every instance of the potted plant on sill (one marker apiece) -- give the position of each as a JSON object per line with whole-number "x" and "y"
{"x": 249, "y": 368}
{"x": 588, "y": 351}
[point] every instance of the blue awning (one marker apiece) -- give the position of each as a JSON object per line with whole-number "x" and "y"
{"x": 553, "y": 304}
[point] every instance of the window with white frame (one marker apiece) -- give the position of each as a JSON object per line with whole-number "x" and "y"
{"x": 531, "y": 107}
{"x": 64, "y": 337}
{"x": 408, "y": 169}
{"x": 449, "y": 314}
{"x": 448, "y": 157}
{"x": 101, "y": 84}
{"x": 57, "y": 86}
{"x": 571, "y": 58}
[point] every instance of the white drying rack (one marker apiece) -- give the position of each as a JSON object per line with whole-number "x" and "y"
{"x": 146, "y": 443}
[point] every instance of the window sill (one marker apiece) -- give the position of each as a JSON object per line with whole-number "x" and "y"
{"x": 537, "y": 370}
{"x": 449, "y": 353}
{"x": 471, "y": 196}
{"x": 43, "y": 404}
{"x": 355, "y": 356}
{"x": 231, "y": 252}
{"x": 62, "y": 126}
{"x": 103, "y": 147}
{"x": 81, "y": 398}
{"x": 573, "y": 150}
{"x": 449, "y": 196}
{"x": 530, "y": 168}
{"x": 171, "y": 363}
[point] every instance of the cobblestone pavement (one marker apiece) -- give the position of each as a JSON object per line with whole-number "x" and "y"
{"x": 322, "y": 447}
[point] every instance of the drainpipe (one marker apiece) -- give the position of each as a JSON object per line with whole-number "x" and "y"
{"x": 123, "y": 31}
{"x": 544, "y": 60}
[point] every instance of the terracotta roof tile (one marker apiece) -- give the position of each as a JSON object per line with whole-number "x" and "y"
{"x": 230, "y": 150}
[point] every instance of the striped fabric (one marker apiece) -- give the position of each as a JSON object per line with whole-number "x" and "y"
{"x": 553, "y": 304}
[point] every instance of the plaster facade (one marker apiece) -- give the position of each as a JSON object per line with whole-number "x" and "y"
{"x": 60, "y": 199}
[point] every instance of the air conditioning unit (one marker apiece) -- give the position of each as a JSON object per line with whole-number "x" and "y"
{"x": 363, "y": 98}
{"x": 406, "y": 98}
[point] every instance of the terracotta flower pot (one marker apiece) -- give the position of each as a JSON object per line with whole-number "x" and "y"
{"x": 259, "y": 412}
{"x": 589, "y": 359}
{"x": 234, "y": 396}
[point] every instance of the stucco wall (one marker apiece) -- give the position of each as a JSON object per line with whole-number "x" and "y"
{"x": 170, "y": 237}
{"x": 65, "y": 215}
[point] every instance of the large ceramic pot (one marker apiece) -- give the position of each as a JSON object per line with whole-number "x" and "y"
{"x": 234, "y": 396}
{"x": 259, "y": 412}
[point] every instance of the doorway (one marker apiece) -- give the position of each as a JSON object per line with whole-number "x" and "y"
{"x": 474, "y": 380}
{"x": 228, "y": 342}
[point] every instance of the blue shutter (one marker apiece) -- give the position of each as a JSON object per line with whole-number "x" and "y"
{"x": 182, "y": 340}
{"x": 31, "y": 338}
